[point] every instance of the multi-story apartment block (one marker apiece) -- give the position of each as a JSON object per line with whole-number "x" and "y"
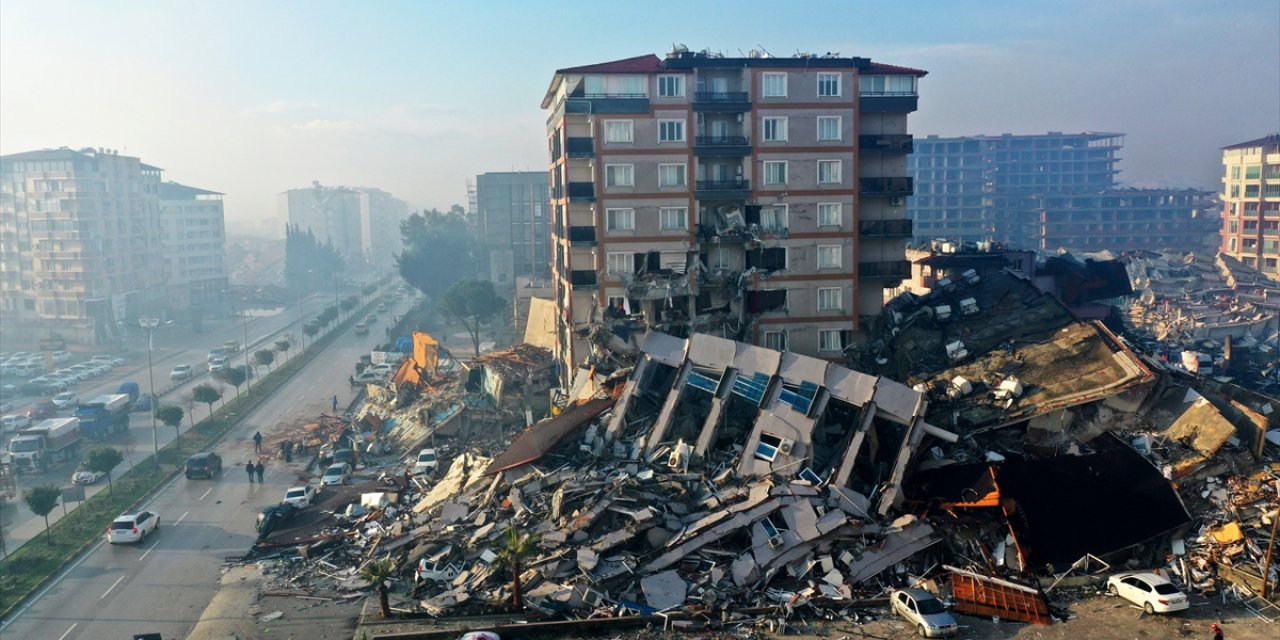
{"x": 362, "y": 223}
{"x": 757, "y": 198}
{"x": 80, "y": 243}
{"x": 512, "y": 216}
{"x": 1251, "y": 203}
{"x": 195, "y": 249}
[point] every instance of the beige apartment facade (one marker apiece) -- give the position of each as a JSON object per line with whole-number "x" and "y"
{"x": 1251, "y": 203}
{"x": 756, "y": 198}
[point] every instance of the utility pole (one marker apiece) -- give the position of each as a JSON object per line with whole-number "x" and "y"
{"x": 150, "y": 325}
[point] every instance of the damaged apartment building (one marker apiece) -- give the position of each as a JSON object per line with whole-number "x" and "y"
{"x": 754, "y": 198}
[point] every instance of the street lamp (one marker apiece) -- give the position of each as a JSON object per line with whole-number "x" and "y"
{"x": 150, "y": 325}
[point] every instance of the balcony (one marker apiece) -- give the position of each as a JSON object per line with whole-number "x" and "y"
{"x": 583, "y": 280}
{"x": 884, "y": 228}
{"x": 888, "y": 102}
{"x": 608, "y": 103}
{"x": 737, "y": 189}
{"x": 582, "y": 236}
{"x": 886, "y": 186}
{"x": 886, "y": 144}
{"x": 583, "y": 191}
{"x": 722, "y": 146}
{"x": 721, "y": 102}
{"x": 891, "y": 270}
{"x": 580, "y": 148}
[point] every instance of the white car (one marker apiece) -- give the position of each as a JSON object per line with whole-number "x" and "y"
{"x": 1154, "y": 593}
{"x": 181, "y": 372}
{"x": 300, "y": 497}
{"x": 924, "y": 612}
{"x": 426, "y": 462}
{"x": 14, "y": 422}
{"x": 336, "y": 474}
{"x": 133, "y": 527}
{"x": 86, "y": 477}
{"x": 218, "y": 364}
{"x": 66, "y": 400}
{"x": 367, "y": 377}
{"x": 5, "y": 405}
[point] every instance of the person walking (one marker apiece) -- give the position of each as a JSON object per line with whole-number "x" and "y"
{"x": 259, "y": 471}
{"x": 257, "y": 442}
{"x": 1217, "y": 631}
{"x": 248, "y": 466}
{"x": 335, "y": 403}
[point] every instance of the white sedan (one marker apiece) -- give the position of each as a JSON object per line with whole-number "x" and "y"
{"x": 336, "y": 474}
{"x": 300, "y": 497}
{"x": 84, "y": 476}
{"x": 1154, "y": 593}
{"x": 14, "y": 422}
{"x": 133, "y": 527}
{"x": 66, "y": 400}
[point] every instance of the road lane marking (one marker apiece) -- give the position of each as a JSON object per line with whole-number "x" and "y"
{"x": 51, "y": 585}
{"x": 113, "y": 585}
{"x": 153, "y": 546}
{"x": 73, "y": 628}
{"x": 175, "y": 522}
{"x": 206, "y": 493}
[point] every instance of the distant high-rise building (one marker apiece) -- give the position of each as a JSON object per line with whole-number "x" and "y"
{"x": 1046, "y": 191}
{"x": 758, "y": 198}
{"x": 1251, "y": 203}
{"x": 195, "y": 249}
{"x": 512, "y": 212}
{"x": 80, "y": 244}
{"x": 362, "y": 223}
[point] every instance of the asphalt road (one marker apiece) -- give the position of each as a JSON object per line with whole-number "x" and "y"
{"x": 163, "y": 585}
{"x": 170, "y": 349}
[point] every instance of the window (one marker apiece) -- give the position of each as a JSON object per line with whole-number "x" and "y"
{"x": 1235, "y": 172}
{"x": 829, "y": 256}
{"x": 775, "y": 171}
{"x": 671, "y": 175}
{"x": 829, "y": 299}
{"x": 829, "y": 85}
{"x": 671, "y": 131}
{"x": 776, "y": 340}
{"x": 619, "y": 175}
{"x": 830, "y": 214}
{"x": 887, "y": 85}
{"x": 831, "y": 340}
{"x": 828, "y": 172}
{"x": 828, "y": 128}
{"x": 767, "y": 449}
{"x": 775, "y": 129}
{"x": 1252, "y": 172}
{"x": 616, "y": 302}
{"x": 719, "y": 259}
{"x": 775, "y": 85}
{"x": 616, "y": 131}
{"x": 673, "y": 217}
{"x": 670, "y": 86}
{"x": 773, "y": 218}
{"x": 619, "y": 262}
{"x": 620, "y": 219}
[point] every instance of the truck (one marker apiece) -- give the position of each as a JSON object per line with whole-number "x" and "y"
{"x": 131, "y": 389}
{"x": 105, "y": 414}
{"x": 52, "y": 440}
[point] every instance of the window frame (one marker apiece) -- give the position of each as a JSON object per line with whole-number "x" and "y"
{"x": 678, "y": 78}
{"x": 609, "y": 178}
{"x": 775, "y": 163}
{"x": 828, "y": 75}
{"x": 630, "y": 130}
{"x": 777, "y": 121}
{"x": 824, "y": 344}
{"x": 780, "y": 335}
{"x": 626, "y": 213}
{"x": 627, "y": 264}
{"x": 827, "y": 249}
{"x": 839, "y": 171}
{"x": 837, "y": 304}
{"x": 784, "y": 217}
{"x": 682, "y": 126}
{"x": 839, "y": 214}
{"x": 683, "y": 216}
{"x": 839, "y": 128}
{"x": 684, "y": 174}
{"x": 764, "y": 84}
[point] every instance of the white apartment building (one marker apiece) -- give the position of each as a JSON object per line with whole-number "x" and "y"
{"x": 363, "y": 223}
{"x": 195, "y": 250}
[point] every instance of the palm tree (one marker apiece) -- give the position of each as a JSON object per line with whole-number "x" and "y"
{"x": 511, "y": 555}
{"x": 378, "y": 572}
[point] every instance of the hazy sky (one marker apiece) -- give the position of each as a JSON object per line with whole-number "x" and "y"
{"x": 253, "y": 98}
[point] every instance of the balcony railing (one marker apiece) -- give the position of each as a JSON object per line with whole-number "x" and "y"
{"x": 722, "y": 145}
{"x": 585, "y": 191}
{"x": 583, "y": 279}
{"x": 721, "y": 101}
{"x": 889, "y": 270}
{"x": 580, "y": 148}
{"x": 887, "y": 144}
{"x": 720, "y": 96}
{"x": 886, "y": 186}
{"x": 738, "y": 188}
{"x": 885, "y": 228}
{"x": 582, "y": 236}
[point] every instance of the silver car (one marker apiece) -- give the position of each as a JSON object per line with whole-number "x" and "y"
{"x": 923, "y": 611}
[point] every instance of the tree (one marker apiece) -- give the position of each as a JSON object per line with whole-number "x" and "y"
{"x": 472, "y": 303}
{"x": 438, "y": 251}
{"x": 207, "y": 394}
{"x": 265, "y": 357}
{"x": 348, "y": 303}
{"x": 311, "y": 328}
{"x": 41, "y": 500}
{"x": 172, "y": 415}
{"x": 511, "y": 555}
{"x": 284, "y": 345}
{"x": 377, "y": 573}
{"x": 103, "y": 460}
{"x": 234, "y": 376}
{"x": 309, "y": 265}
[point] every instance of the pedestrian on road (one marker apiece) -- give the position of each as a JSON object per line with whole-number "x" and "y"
{"x": 248, "y": 466}
{"x": 1217, "y": 631}
{"x": 335, "y": 403}
{"x": 351, "y": 380}
{"x": 288, "y": 451}
{"x": 257, "y": 442}
{"x": 260, "y": 470}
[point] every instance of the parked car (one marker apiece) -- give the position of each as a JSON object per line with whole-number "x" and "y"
{"x": 426, "y": 462}
{"x": 205, "y": 464}
{"x": 83, "y": 475}
{"x": 14, "y": 422}
{"x": 133, "y": 527}
{"x": 60, "y": 357}
{"x": 1154, "y": 593}
{"x": 344, "y": 455}
{"x": 367, "y": 377}
{"x": 300, "y": 497}
{"x": 337, "y": 473}
{"x": 181, "y": 372}
{"x": 66, "y": 400}
{"x": 924, "y": 612}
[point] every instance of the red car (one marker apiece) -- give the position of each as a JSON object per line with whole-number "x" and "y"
{"x": 43, "y": 411}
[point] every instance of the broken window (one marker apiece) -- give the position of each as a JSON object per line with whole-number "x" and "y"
{"x": 771, "y": 300}
{"x": 833, "y": 339}
{"x": 800, "y": 396}
{"x": 770, "y": 446}
{"x": 752, "y": 388}
{"x": 767, "y": 259}
{"x": 705, "y": 379}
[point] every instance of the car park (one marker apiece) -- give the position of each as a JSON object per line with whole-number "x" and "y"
{"x": 1154, "y": 593}
{"x": 337, "y": 473}
{"x": 133, "y": 527}
{"x": 300, "y": 497}
{"x": 66, "y": 400}
{"x": 15, "y": 422}
{"x": 923, "y": 612}
{"x": 181, "y": 372}
{"x": 205, "y": 464}
{"x": 60, "y": 357}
